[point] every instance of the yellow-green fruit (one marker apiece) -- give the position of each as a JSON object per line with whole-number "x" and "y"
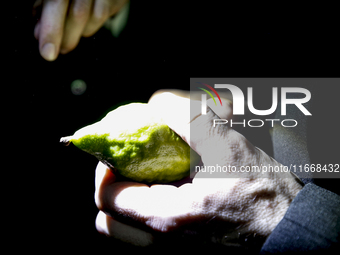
{"x": 137, "y": 143}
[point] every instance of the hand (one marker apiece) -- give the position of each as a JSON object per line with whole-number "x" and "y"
{"x": 216, "y": 207}
{"x": 64, "y": 22}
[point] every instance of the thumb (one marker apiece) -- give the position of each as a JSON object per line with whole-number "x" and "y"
{"x": 216, "y": 144}
{"x": 176, "y": 110}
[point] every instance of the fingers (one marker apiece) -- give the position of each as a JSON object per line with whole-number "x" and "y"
{"x": 126, "y": 233}
{"x": 100, "y": 13}
{"x": 184, "y": 116}
{"x": 102, "y": 10}
{"x": 78, "y": 16}
{"x": 178, "y": 110}
{"x": 160, "y": 207}
{"x": 64, "y": 22}
{"x": 104, "y": 177}
{"x": 174, "y": 110}
{"x": 61, "y": 32}
{"x": 214, "y": 142}
{"x": 51, "y": 28}
{"x": 224, "y": 111}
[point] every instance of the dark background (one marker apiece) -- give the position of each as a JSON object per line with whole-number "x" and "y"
{"x": 55, "y": 197}
{"x": 162, "y": 46}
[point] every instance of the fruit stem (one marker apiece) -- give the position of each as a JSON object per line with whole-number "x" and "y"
{"x": 66, "y": 140}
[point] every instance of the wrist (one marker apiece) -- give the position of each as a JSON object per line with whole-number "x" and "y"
{"x": 275, "y": 197}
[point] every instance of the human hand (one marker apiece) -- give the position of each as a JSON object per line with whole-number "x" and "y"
{"x": 227, "y": 210}
{"x": 63, "y": 23}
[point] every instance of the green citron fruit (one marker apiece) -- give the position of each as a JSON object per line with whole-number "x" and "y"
{"x": 137, "y": 143}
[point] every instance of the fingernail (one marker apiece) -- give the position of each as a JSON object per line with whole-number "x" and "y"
{"x": 48, "y": 51}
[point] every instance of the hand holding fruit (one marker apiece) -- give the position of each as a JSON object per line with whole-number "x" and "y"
{"x": 236, "y": 207}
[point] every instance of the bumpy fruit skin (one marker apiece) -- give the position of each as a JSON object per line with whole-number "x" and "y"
{"x": 151, "y": 153}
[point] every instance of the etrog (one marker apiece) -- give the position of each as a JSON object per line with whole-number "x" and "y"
{"x": 137, "y": 143}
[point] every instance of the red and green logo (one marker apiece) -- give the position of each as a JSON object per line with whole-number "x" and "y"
{"x": 209, "y": 93}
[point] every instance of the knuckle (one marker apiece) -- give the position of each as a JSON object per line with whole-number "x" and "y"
{"x": 81, "y": 10}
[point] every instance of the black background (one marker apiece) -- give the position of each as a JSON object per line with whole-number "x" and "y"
{"x": 52, "y": 187}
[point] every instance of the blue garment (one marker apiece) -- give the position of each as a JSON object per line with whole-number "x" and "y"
{"x": 312, "y": 222}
